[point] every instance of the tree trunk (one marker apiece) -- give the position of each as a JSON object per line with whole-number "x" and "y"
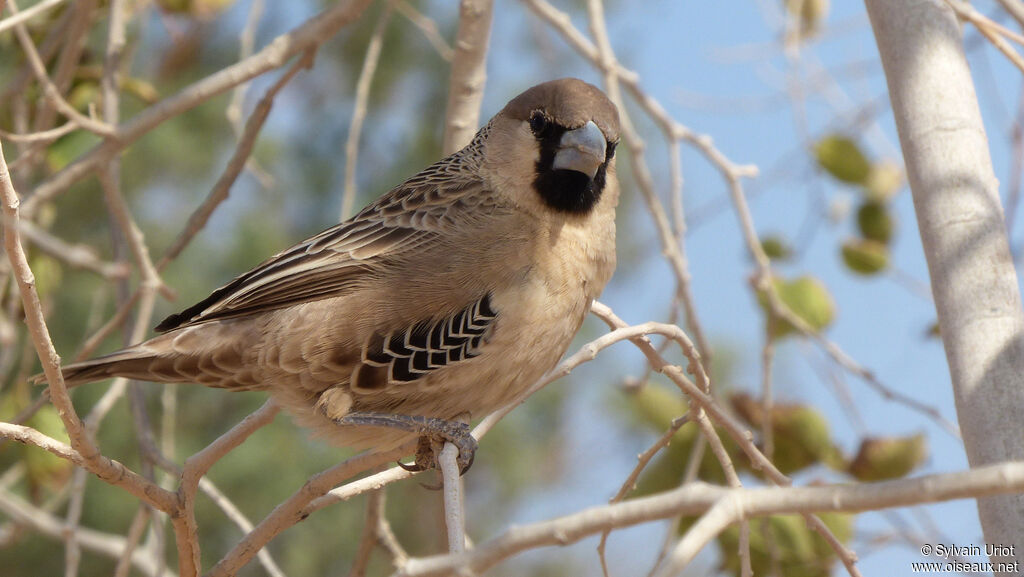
{"x": 964, "y": 236}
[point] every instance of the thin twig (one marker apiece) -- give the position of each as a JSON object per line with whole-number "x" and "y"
{"x": 1015, "y": 9}
{"x": 739, "y": 434}
{"x": 44, "y": 137}
{"x": 355, "y": 128}
{"x": 14, "y": 89}
{"x": 1016, "y": 176}
{"x": 370, "y": 535}
{"x": 428, "y": 27}
{"x": 292, "y": 510}
{"x": 48, "y": 525}
{"x": 135, "y": 532}
{"x": 243, "y": 150}
{"x": 85, "y": 452}
{"x": 602, "y": 57}
{"x": 72, "y": 518}
{"x": 245, "y": 45}
{"x": 990, "y": 30}
{"x": 310, "y": 34}
{"x": 52, "y": 92}
{"x": 27, "y": 14}
{"x": 199, "y": 463}
{"x": 73, "y": 41}
{"x": 77, "y": 255}
{"x": 127, "y": 231}
{"x": 110, "y": 182}
{"x": 241, "y": 521}
{"x": 630, "y": 483}
{"x": 388, "y": 541}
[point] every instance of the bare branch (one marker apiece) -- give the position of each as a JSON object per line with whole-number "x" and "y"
{"x": 469, "y": 73}
{"x": 602, "y": 57}
{"x": 369, "y": 537}
{"x": 90, "y": 457}
{"x": 1015, "y": 9}
{"x": 454, "y": 507}
{"x": 698, "y": 498}
{"x": 243, "y": 150}
{"x": 77, "y": 255}
{"x": 990, "y": 30}
{"x": 241, "y": 521}
{"x": 630, "y": 483}
{"x": 310, "y": 34}
{"x": 198, "y": 464}
{"x": 135, "y": 532}
{"x": 386, "y": 538}
{"x": 27, "y": 14}
{"x": 736, "y": 431}
{"x": 73, "y": 43}
{"x": 293, "y": 509}
{"x": 246, "y": 41}
{"x": 53, "y": 93}
{"x": 44, "y": 523}
{"x": 356, "y": 488}
{"x": 41, "y": 137}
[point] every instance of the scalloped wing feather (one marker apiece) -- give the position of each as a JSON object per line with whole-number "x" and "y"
{"x": 335, "y": 260}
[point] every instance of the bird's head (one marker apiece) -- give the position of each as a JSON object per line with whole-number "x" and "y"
{"x": 555, "y": 144}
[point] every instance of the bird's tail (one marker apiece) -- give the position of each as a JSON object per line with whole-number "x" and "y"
{"x": 213, "y": 354}
{"x": 134, "y": 363}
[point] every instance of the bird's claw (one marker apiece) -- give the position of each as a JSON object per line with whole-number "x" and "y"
{"x": 442, "y": 431}
{"x": 430, "y": 429}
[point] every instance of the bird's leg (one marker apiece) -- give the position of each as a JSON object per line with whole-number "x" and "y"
{"x": 429, "y": 429}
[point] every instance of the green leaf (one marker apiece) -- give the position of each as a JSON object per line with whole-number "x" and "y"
{"x": 880, "y": 459}
{"x": 68, "y": 148}
{"x": 786, "y": 543}
{"x": 776, "y": 247}
{"x": 842, "y": 158}
{"x": 875, "y": 222}
{"x": 45, "y": 468}
{"x": 655, "y": 407}
{"x": 866, "y": 257}
{"x": 800, "y": 433}
{"x": 807, "y": 297}
{"x": 48, "y": 273}
{"x": 83, "y": 94}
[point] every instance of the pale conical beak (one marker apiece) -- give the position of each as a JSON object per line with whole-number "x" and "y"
{"x": 582, "y": 150}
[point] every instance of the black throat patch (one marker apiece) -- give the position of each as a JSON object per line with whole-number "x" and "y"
{"x": 567, "y": 191}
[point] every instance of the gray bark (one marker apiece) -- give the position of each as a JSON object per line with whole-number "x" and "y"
{"x": 956, "y": 197}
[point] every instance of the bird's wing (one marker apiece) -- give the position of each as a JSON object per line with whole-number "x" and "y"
{"x": 426, "y": 206}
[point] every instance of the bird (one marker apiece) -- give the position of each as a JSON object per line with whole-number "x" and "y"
{"x": 441, "y": 301}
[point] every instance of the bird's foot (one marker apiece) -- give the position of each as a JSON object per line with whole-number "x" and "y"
{"x": 430, "y": 429}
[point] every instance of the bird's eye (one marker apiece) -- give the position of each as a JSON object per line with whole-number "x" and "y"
{"x": 610, "y": 152}
{"x": 538, "y": 123}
